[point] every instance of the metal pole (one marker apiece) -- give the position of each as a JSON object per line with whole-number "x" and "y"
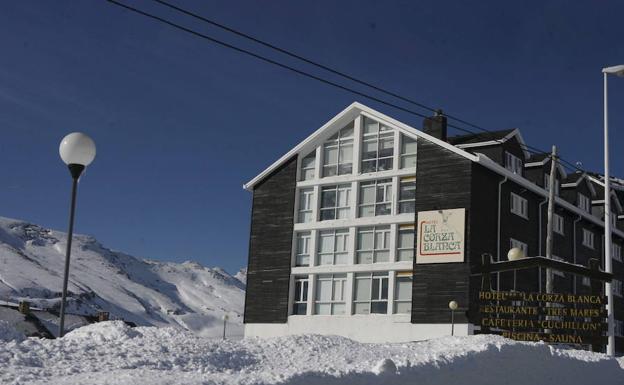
{"x": 549, "y": 223}
{"x": 452, "y": 322}
{"x": 68, "y": 254}
{"x": 224, "y": 322}
{"x": 607, "y": 226}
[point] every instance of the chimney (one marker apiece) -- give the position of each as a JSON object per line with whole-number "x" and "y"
{"x": 436, "y": 126}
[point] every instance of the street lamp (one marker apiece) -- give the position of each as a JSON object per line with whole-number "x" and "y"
{"x": 77, "y": 150}
{"x": 453, "y": 306}
{"x": 619, "y": 71}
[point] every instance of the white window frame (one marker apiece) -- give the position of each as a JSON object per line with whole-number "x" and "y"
{"x": 341, "y": 280}
{"x": 520, "y": 245}
{"x": 379, "y": 276}
{"x": 303, "y": 169}
{"x": 338, "y": 142}
{"x": 616, "y": 251}
{"x": 383, "y": 133}
{"x": 409, "y": 202}
{"x": 302, "y": 293}
{"x": 513, "y": 163}
{"x": 340, "y": 212}
{"x": 583, "y": 202}
{"x": 406, "y": 155}
{"x": 399, "y": 276}
{"x": 588, "y": 239}
{"x": 305, "y": 213}
{"x": 558, "y": 224}
{"x": 340, "y": 241}
{"x": 385, "y": 232}
{"x": 400, "y": 229}
{"x": 304, "y": 239}
{"x": 519, "y": 205}
{"x": 381, "y": 201}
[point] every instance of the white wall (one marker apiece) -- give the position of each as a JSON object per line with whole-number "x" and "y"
{"x": 363, "y": 328}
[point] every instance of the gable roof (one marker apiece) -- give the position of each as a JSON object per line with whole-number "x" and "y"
{"x": 339, "y": 121}
{"x": 489, "y": 138}
{"x": 574, "y": 179}
{"x": 540, "y": 160}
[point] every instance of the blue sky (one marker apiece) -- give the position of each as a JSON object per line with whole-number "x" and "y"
{"x": 181, "y": 124}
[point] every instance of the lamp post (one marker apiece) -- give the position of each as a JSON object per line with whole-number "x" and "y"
{"x": 225, "y": 318}
{"x": 77, "y": 150}
{"x": 619, "y": 71}
{"x": 453, "y": 306}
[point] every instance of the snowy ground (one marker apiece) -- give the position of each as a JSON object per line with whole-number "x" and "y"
{"x": 112, "y": 353}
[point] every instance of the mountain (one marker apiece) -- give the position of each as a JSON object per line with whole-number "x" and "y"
{"x": 146, "y": 292}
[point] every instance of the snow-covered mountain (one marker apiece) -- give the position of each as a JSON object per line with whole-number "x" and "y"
{"x": 146, "y": 292}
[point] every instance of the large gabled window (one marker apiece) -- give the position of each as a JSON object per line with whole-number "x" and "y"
{"x": 375, "y": 198}
{"x": 300, "y": 303}
{"x": 335, "y": 202}
{"x": 408, "y": 152}
{"x": 333, "y": 247}
{"x": 308, "y": 166}
{"x": 377, "y": 147}
{"x": 373, "y": 244}
{"x": 371, "y": 293}
{"x": 330, "y": 294}
{"x": 338, "y": 153}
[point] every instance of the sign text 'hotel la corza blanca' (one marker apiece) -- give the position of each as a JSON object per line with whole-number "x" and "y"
{"x": 548, "y": 317}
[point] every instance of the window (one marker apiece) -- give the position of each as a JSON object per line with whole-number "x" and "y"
{"x": 558, "y": 224}
{"x": 338, "y": 153}
{"x": 407, "y": 195}
{"x": 616, "y": 252}
{"x": 371, "y": 293}
{"x": 308, "y": 166}
{"x": 403, "y": 292}
{"x": 373, "y": 244}
{"x": 588, "y": 238}
{"x": 330, "y": 294}
{"x": 513, "y": 163}
{"x": 333, "y": 247}
{"x": 558, "y": 272}
{"x": 616, "y": 287}
{"x": 519, "y": 245}
{"x": 377, "y": 147}
{"x": 408, "y": 152}
{"x": 300, "y": 304}
{"x": 306, "y": 196}
{"x": 376, "y": 198}
{"x": 583, "y": 202}
{"x": 519, "y": 206}
{"x": 547, "y": 184}
{"x": 613, "y": 220}
{"x": 586, "y": 281}
{"x": 335, "y": 202}
{"x": 303, "y": 249}
{"x": 405, "y": 244}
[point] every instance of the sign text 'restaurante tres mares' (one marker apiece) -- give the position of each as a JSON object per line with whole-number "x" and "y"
{"x": 440, "y": 236}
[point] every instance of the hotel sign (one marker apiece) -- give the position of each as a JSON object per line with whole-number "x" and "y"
{"x": 441, "y": 236}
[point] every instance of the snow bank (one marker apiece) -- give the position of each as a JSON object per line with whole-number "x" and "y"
{"x": 112, "y": 353}
{"x": 8, "y": 333}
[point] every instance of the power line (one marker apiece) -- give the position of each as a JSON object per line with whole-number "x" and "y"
{"x": 529, "y": 149}
{"x": 334, "y": 71}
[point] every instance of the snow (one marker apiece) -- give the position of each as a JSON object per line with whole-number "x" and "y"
{"x": 113, "y": 353}
{"x": 9, "y": 333}
{"x": 149, "y": 293}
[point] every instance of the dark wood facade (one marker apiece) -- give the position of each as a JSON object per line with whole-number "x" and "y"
{"x": 270, "y": 245}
